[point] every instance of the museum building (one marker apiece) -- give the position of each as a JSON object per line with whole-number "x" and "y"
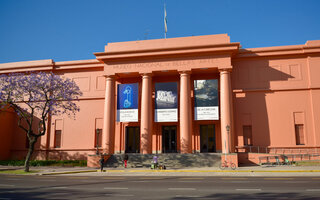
{"x": 199, "y": 94}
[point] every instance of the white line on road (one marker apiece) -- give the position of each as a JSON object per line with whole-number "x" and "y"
{"x": 248, "y": 189}
{"x": 190, "y": 196}
{"x": 58, "y": 187}
{"x": 313, "y": 190}
{"x": 189, "y": 181}
{"x": 5, "y": 185}
{"x": 115, "y": 188}
{"x": 181, "y": 188}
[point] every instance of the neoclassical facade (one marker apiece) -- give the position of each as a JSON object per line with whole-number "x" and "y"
{"x": 195, "y": 94}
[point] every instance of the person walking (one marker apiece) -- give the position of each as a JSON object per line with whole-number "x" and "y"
{"x": 125, "y": 158}
{"x": 101, "y": 163}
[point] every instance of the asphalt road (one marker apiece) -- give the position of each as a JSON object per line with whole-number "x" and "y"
{"x": 120, "y": 187}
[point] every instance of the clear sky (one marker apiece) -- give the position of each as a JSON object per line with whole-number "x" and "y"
{"x": 65, "y": 30}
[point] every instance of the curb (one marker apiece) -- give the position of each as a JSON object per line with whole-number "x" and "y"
{"x": 240, "y": 171}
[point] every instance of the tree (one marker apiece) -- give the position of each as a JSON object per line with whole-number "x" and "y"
{"x": 35, "y": 96}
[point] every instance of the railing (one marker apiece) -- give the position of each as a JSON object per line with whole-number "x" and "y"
{"x": 278, "y": 150}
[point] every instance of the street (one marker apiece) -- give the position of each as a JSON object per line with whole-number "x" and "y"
{"x": 160, "y": 187}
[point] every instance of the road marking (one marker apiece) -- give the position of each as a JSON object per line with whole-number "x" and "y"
{"x": 115, "y": 188}
{"x": 313, "y": 190}
{"x": 58, "y": 187}
{"x": 114, "y": 178}
{"x": 141, "y": 181}
{"x": 234, "y": 178}
{"x": 150, "y": 178}
{"x": 5, "y": 185}
{"x": 44, "y": 177}
{"x": 189, "y": 181}
{"x": 123, "y": 195}
{"x": 181, "y": 188}
{"x": 191, "y": 178}
{"x": 278, "y": 178}
{"x": 190, "y": 196}
{"x": 77, "y": 177}
{"x": 248, "y": 189}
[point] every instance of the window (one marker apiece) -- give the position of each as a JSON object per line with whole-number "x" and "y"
{"x": 299, "y": 130}
{"x": 57, "y": 139}
{"x": 98, "y": 136}
{"x": 247, "y": 135}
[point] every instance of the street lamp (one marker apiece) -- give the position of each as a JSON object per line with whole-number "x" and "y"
{"x": 228, "y": 131}
{"x": 97, "y": 141}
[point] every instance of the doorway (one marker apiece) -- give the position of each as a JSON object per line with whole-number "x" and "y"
{"x": 207, "y": 138}
{"x": 169, "y": 139}
{"x": 132, "y": 139}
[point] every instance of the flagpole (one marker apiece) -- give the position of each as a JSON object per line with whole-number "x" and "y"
{"x": 165, "y": 21}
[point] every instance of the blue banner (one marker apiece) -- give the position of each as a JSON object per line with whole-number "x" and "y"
{"x": 127, "y": 102}
{"x": 128, "y": 96}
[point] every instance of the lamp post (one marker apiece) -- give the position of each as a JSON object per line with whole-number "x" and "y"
{"x": 228, "y": 131}
{"x": 97, "y": 141}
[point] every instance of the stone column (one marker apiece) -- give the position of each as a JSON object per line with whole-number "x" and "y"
{"x": 146, "y": 115}
{"x": 109, "y": 116}
{"x": 226, "y": 106}
{"x": 185, "y": 113}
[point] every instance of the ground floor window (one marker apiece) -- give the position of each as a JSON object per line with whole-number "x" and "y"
{"x": 299, "y": 131}
{"x": 132, "y": 139}
{"x": 247, "y": 135}
{"x": 57, "y": 139}
{"x": 98, "y": 141}
{"x": 169, "y": 139}
{"x": 207, "y": 138}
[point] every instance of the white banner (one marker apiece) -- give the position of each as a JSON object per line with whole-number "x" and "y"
{"x": 166, "y": 115}
{"x": 206, "y": 113}
{"x": 127, "y": 115}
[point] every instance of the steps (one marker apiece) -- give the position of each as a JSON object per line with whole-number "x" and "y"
{"x": 170, "y": 160}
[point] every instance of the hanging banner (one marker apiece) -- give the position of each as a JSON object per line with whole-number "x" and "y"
{"x": 166, "y": 102}
{"x": 206, "y": 100}
{"x": 127, "y": 102}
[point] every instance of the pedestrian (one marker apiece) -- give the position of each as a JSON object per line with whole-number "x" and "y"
{"x": 125, "y": 158}
{"x": 101, "y": 163}
{"x": 155, "y": 161}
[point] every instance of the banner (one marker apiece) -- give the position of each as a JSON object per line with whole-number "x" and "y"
{"x": 127, "y": 102}
{"x": 206, "y": 100}
{"x": 166, "y": 102}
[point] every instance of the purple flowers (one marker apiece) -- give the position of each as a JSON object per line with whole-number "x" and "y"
{"x": 37, "y": 94}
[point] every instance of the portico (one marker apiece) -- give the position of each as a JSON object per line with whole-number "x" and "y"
{"x": 179, "y": 60}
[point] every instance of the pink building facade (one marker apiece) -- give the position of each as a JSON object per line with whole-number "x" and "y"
{"x": 181, "y": 95}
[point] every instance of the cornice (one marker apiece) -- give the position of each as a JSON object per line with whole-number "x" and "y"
{"x": 311, "y": 47}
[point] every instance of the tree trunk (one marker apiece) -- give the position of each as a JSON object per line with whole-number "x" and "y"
{"x": 30, "y": 151}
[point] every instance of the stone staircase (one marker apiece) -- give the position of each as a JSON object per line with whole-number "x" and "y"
{"x": 170, "y": 160}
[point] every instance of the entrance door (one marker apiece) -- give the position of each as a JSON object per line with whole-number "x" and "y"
{"x": 132, "y": 139}
{"x": 169, "y": 139}
{"x": 207, "y": 138}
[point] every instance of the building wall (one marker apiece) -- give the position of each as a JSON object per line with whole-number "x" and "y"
{"x": 273, "y": 94}
{"x": 273, "y": 89}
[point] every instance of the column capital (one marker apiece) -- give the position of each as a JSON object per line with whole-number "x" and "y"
{"x": 185, "y": 72}
{"x": 110, "y": 77}
{"x": 225, "y": 68}
{"x": 146, "y": 75}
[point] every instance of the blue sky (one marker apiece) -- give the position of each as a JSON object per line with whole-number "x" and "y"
{"x": 65, "y": 30}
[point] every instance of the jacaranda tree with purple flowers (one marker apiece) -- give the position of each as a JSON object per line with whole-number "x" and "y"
{"x": 36, "y": 96}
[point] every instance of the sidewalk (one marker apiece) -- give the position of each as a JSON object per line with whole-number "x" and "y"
{"x": 206, "y": 171}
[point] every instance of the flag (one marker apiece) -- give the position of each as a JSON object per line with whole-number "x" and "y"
{"x": 165, "y": 19}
